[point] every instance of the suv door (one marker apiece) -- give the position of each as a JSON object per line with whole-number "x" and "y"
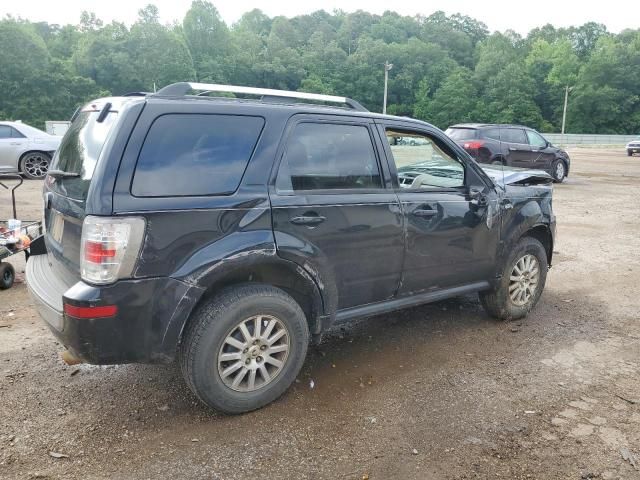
{"x": 543, "y": 155}
{"x": 11, "y": 145}
{"x": 451, "y": 211}
{"x": 332, "y": 212}
{"x": 518, "y": 150}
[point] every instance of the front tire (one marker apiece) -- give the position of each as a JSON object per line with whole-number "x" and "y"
{"x": 558, "y": 171}
{"x": 34, "y": 165}
{"x": 629, "y": 153}
{"x": 522, "y": 282}
{"x": 244, "y": 347}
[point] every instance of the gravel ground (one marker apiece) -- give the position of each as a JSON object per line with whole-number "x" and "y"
{"x": 435, "y": 392}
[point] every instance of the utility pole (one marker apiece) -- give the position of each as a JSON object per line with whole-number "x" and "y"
{"x": 564, "y": 111}
{"x": 387, "y": 66}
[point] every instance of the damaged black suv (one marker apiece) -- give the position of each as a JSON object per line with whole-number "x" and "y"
{"x": 229, "y": 232}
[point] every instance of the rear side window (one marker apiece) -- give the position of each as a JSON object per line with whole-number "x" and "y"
{"x": 79, "y": 153}
{"x": 9, "y": 132}
{"x": 195, "y": 154}
{"x": 462, "y": 133}
{"x": 326, "y": 156}
{"x": 513, "y": 135}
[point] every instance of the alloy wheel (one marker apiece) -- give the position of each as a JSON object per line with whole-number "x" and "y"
{"x": 36, "y": 165}
{"x": 523, "y": 281}
{"x": 254, "y": 353}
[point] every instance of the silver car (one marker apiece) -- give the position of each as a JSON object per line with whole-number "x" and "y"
{"x": 25, "y": 149}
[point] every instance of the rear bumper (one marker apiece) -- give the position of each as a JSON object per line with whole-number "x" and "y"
{"x": 146, "y": 328}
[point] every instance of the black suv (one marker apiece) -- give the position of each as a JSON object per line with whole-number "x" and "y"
{"x": 230, "y": 232}
{"x": 511, "y": 145}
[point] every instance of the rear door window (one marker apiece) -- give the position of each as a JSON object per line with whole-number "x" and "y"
{"x": 195, "y": 155}
{"x": 462, "y": 133}
{"x": 79, "y": 153}
{"x": 513, "y": 135}
{"x": 326, "y": 156}
{"x": 5, "y": 131}
{"x": 492, "y": 133}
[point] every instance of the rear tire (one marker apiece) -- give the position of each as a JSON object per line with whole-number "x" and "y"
{"x": 504, "y": 302}
{"x": 558, "y": 171}
{"x": 7, "y": 276}
{"x": 228, "y": 363}
{"x": 629, "y": 153}
{"x": 34, "y": 165}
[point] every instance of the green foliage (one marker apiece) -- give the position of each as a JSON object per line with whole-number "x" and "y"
{"x": 446, "y": 68}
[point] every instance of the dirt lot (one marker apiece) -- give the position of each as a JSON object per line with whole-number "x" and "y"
{"x": 436, "y": 392}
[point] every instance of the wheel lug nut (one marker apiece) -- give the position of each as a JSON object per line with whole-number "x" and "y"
{"x": 247, "y": 361}
{"x": 255, "y": 342}
{"x": 263, "y": 347}
{"x": 245, "y": 350}
{"x": 259, "y": 359}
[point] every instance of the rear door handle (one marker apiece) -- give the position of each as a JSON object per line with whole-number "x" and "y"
{"x": 308, "y": 220}
{"x": 423, "y": 212}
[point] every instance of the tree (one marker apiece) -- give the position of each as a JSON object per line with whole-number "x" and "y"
{"x": 454, "y": 102}
{"x": 160, "y": 56}
{"x": 208, "y": 40}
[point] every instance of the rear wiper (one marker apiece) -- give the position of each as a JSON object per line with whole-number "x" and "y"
{"x": 62, "y": 174}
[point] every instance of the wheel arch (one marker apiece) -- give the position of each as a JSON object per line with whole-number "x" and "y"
{"x": 283, "y": 274}
{"x": 542, "y": 233}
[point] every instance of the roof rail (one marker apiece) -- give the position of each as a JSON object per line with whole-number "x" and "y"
{"x": 182, "y": 88}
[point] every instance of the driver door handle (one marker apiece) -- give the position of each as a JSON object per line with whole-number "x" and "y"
{"x": 424, "y": 212}
{"x": 308, "y": 219}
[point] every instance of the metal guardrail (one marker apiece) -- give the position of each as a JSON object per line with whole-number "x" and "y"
{"x": 588, "y": 139}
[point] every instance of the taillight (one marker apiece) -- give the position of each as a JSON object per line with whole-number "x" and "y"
{"x": 110, "y": 247}
{"x": 475, "y": 145}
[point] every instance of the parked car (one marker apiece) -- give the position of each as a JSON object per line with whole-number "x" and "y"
{"x": 227, "y": 233}
{"x": 25, "y": 150}
{"x": 511, "y": 145}
{"x": 633, "y": 147}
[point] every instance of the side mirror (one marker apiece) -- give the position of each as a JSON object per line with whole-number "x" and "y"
{"x": 477, "y": 196}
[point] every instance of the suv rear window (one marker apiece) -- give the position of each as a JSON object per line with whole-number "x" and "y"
{"x": 195, "y": 154}
{"x": 79, "y": 152}
{"x": 462, "y": 133}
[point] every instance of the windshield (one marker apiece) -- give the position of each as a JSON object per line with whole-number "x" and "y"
{"x": 461, "y": 133}
{"x": 79, "y": 153}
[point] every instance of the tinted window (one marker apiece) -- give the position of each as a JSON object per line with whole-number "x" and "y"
{"x": 513, "y": 135}
{"x": 322, "y": 156}
{"x": 492, "y": 133}
{"x": 5, "y": 131}
{"x": 79, "y": 152}
{"x": 16, "y": 134}
{"x": 195, "y": 155}
{"x": 536, "y": 139}
{"x": 424, "y": 162}
{"x": 462, "y": 133}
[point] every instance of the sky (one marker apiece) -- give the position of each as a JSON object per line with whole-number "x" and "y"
{"x": 497, "y": 15}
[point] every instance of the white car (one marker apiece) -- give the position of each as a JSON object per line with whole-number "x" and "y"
{"x": 26, "y": 150}
{"x": 633, "y": 146}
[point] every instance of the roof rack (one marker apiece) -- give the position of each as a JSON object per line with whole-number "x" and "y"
{"x": 266, "y": 94}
